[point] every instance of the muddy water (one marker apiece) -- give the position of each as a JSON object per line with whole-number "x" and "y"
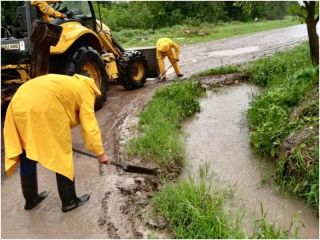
{"x": 219, "y": 136}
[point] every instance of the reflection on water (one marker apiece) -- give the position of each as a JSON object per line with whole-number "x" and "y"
{"x": 218, "y": 135}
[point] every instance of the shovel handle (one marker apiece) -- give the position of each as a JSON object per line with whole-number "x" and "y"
{"x": 84, "y": 153}
{"x": 93, "y": 156}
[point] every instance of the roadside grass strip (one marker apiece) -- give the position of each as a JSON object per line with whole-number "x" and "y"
{"x": 160, "y": 124}
{"x": 194, "y": 33}
{"x": 291, "y": 81}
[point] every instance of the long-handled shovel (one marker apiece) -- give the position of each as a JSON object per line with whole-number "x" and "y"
{"x": 123, "y": 166}
{"x": 160, "y": 76}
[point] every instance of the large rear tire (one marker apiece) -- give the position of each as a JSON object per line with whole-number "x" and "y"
{"x": 86, "y": 61}
{"x": 133, "y": 69}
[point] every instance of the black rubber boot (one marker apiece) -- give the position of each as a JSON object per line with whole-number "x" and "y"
{"x": 29, "y": 185}
{"x": 67, "y": 193}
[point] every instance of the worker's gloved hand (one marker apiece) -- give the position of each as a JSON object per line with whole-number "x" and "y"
{"x": 104, "y": 158}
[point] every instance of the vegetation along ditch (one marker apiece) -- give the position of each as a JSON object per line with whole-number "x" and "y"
{"x": 283, "y": 124}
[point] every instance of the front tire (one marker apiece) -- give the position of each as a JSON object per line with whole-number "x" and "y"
{"x": 86, "y": 61}
{"x": 133, "y": 69}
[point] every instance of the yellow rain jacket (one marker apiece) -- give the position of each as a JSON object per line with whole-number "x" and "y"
{"x": 168, "y": 48}
{"x": 39, "y": 119}
{"x": 46, "y": 10}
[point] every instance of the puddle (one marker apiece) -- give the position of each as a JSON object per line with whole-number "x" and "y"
{"x": 219, "y": 136}
{"x": 234, "y": 52}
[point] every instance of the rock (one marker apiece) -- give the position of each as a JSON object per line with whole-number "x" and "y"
{"x": 158, "y": 222}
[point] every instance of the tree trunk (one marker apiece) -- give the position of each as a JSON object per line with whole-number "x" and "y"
{"x": 312, "y": 31}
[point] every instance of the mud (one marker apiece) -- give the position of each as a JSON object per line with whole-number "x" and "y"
{"x": 120, "y": 205}
{"x": 218, "y": 136}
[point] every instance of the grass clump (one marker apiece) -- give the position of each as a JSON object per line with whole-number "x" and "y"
{"x": 275, "y": 132}
{"x": 195, "y": 211}
{"x": 228, "y": 69}
{"x": 160, "y": 123}
{"x": 268, "y": 115}
{"x": 275, "y": 69}
{"x": 266, "y": 230}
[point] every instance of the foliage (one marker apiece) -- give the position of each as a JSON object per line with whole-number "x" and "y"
{"x": 264, "y": 9}
{"x": 194, "y": 210}
{"x": 277, "y": 67}
{"x": 9, "y": 12}
{"x": 265, "y": 230}
{"x": 161, "y": 121}
{"x": 300, "y": 171}
{"x": 306, "y": 10}
{"x": 158, "y": 14}
{"x": 290, "y": 78}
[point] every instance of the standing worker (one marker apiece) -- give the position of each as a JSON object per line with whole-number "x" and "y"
{"x": 37, "y": 128}
{"x": 47, "y": 11}
{"x": 168, "y": 48}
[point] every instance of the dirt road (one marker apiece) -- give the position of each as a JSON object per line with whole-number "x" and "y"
{"x": 119, "y": 203}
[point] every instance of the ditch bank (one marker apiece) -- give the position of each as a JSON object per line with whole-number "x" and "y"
{"x": 219, "y": 137}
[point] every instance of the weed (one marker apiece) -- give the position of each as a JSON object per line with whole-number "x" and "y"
{"x": 265, "y": 230}
{"x": 194, "y": 209}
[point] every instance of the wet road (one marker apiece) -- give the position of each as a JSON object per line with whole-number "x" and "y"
{"x": 102, "y": 217}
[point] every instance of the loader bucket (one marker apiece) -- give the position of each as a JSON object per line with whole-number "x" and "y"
{"x": 150, "y": 55}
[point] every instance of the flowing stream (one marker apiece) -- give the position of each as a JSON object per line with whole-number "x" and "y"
{"x": 219, "y": 136}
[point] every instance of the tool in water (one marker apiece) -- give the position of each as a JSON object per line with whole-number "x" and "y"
{"x": 123, "y": 166}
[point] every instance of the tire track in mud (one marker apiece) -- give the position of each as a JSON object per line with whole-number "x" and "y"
{"x": 124, "y": 204}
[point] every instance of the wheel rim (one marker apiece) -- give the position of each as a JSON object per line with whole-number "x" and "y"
{"x": 92, "y": 71}
{"x": 137, "y": 71}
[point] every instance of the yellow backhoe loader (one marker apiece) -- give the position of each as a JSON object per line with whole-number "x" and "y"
{"x": 80, "y": 43}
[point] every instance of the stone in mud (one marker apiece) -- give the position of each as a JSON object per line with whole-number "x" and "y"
{"x": 157, "y": 222}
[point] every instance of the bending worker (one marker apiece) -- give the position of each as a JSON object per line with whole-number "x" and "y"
{"x": 47, "y": 11}
{"x": 37, "y": 128}
{"x": 168, "y": 48}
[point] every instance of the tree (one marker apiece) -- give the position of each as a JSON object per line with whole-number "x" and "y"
{"x": 312, "y": 18}
{"x": 308, "y": 13}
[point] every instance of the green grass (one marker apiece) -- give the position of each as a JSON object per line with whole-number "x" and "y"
{"x": 195, "y": 210}
{"x": 220, "y": 70}
{"x": 189, "y": 34}
{"x": 160, "y": 124}
{"x": 266, "y": 230}
{"x": 289, "y": 79}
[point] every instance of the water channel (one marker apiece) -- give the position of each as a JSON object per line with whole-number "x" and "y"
{"x": 219, "y": 136}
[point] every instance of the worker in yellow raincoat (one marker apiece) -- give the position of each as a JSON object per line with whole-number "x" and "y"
{"x": 168, "y": 48}
{"x": 47, "y": 12}
{"x": 37, "y": 128}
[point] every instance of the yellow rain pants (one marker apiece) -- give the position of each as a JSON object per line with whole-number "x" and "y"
{"x": 168, "y": 48}
{"x": 46, "y": 10}
{"x": 39, "y": 119}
